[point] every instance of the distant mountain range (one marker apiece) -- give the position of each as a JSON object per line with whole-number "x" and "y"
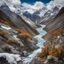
{"x": 38, "y": 17}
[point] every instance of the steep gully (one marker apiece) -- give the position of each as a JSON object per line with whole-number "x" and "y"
{"x": 41, "y": 41}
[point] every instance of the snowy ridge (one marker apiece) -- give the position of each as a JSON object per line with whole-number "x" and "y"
{"x": 11, "y": 58}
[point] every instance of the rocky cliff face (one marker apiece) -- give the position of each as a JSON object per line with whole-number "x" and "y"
{"x": 55, "y": 26}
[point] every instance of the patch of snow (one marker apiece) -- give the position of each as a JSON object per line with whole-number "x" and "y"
{"x": 7, "y": 28}
{"x": 52, "y": 13}
{"x": 11, "y": 58}
{"x": 42, "y": 12}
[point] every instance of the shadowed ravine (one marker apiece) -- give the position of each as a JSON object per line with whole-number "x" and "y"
{"x": 28, "y": 59}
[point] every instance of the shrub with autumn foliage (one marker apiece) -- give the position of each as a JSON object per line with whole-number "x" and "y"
{"x": 2, "y": 33}
{"x": 57, "y": 51}
{"x": 24, "y": 35}
{"x": 5, "y": 22}
{"x": 53, "y": 52}
{"x": 19, "y": 30}
{"x": 11, "y": 40}
{"x": 49, "y": 51}
{"x": 44, "y": 51}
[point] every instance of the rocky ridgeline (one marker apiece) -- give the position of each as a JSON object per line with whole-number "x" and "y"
{"x": 16, "y": 37}
{"x": 53, "y": 51}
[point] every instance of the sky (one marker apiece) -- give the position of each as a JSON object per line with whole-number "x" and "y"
{"x": 32, "y": 1}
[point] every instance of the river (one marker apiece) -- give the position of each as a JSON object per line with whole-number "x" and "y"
{"x": 28, "y": 59}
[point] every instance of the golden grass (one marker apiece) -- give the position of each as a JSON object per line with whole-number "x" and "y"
{"x": 11, "y": 40}
{"x": 2, "y": 32}
{"x": 24, "y": 35}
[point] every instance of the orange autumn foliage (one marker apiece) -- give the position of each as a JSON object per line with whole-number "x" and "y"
{"x": 11, "y": 40}
{"x": 5, "y": 22}
{"x": 24, "y": 35}
{"x": 40, "y": 55}
{"x": 44, "y": 51}
{"x": 53, "y": 52}
{"x": 2, "y": 21}
{"x": 60, "y": 49}
{"x": 19, "y": 30}
{"x": 52, "y": 48}
{"x": 57, "y": 51}
{"x": 47, "y": 46}
{"x": 2, "y": 33}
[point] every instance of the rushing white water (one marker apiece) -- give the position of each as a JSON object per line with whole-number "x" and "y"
{"x": 40, "y": 44}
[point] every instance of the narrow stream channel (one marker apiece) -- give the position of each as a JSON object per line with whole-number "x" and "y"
{"x": 28, "y": 59}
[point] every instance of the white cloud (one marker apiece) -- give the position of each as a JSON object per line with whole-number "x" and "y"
{"x": 59, "y": 2}
{"x": 54, "y": 3}
{"x": 26, "y": 5}
{"x": 32, "y": 8}
{"x": 15, "y": 1}
{"x": 9, "y": 2}
{"x": 37, "y": 5}
{"x": 50, "y": 5}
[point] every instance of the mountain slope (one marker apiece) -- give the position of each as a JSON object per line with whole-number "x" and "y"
{"x": 55, "y": 26}
{"x": 17, "y": 21}
{"x": 49, "y": 15}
